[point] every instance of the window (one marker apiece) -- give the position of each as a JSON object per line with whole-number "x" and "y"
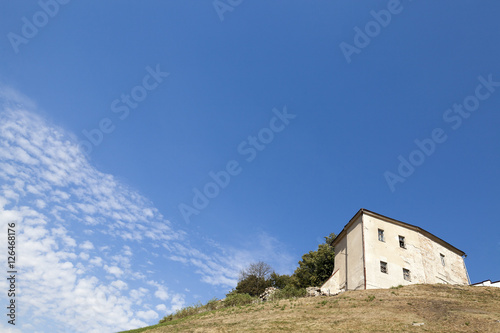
{"x": 402, "y": 242}
{"x": 381, "y": 235}
{"x": 383, "y": 267}
{"x": 442, "y": 259}
{"x": 406, "y": 274}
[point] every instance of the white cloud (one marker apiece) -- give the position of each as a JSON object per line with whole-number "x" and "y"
{"x": 161, "y": 307}
{"x": 115, "y": 270}
{"x": 138, "y": 294}
{"x": 84, "y": 256}
{"x": 119, "y": 284}
{"x": 62, "y": 205}
{"x": 97, "y": 261}
{"x": 162, "y": 294}
{"x": 8, "y": 328}
{"x": 147, "y": 315}
{"x": 177, "y": 302}
{"x": 87, "y": 245}
{"x": 127, "y": 250}
{"x": 161, "y": 291}
{"x": 40, "y": 203}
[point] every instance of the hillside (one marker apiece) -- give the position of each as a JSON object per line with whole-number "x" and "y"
{"x": 441, "y": 308}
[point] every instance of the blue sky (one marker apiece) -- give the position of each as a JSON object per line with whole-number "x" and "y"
{"x": 305, "y": 112}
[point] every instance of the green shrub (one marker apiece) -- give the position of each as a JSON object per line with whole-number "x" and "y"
{"x": 232, "y": 299}
{"x": 252, "y": 285}
{"x": 289, "y": 292}
{"x": 212, "y": 304}
{"x": 394, "y": 287}
{"x": 235, "y": 299}
{"x": 188, "y": 311}
{"x": 170, "y": 317}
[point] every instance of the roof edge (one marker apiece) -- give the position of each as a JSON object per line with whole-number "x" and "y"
{"x": 404, "y": 224}
{"x": 473, "y": 284}
{"x": 343, "y": 232}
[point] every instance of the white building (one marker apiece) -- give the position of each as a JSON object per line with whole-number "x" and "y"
{"x": 487, "y": 283}
{"x": 374, "y": 251}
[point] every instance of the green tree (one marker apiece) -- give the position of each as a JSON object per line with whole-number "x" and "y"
{"x": 281, "y": 281}
{"x": 259, "y": 269}
{"x": 254, "y": 279}
{"x": 316, "y": 266}
{"x": 252, "y": 285}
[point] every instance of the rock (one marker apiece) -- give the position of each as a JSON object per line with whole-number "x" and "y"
{"x": 313, "y": 292}
{"x": 268, "y": 292}
{"x": 327, "y": 292}
{"x": 418, "y": 324}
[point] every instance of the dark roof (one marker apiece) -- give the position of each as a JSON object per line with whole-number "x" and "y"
{"x": 391, "y": 220}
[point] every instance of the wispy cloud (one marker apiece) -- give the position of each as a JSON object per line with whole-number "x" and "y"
{"x": 79, "y": 231}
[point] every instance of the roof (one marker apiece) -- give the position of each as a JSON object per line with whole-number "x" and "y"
{"x": 494, "y": 282}
{"x": 403, "y": 224}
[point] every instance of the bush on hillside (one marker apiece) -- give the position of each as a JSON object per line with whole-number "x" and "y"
{"x": 288, "y": 292}
{"x": 187, "y": 311}
{"x": 252, "y": 285}
{"x": 236, "y": 299}
{"x": 254, "y": 279}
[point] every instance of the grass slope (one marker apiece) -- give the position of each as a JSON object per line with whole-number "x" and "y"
{"x": 442, "y": 308}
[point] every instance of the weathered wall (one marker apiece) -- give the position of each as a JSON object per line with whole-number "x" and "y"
{"x": 332, "y": 286}
{"x": 349, "y": 258}
{"x": 452, "y": 272}
{"x": 340, "y": 262}
{"x": 421, "y": 256}
{"x": 389, "y": 251}
{"x": 355, "y": 275}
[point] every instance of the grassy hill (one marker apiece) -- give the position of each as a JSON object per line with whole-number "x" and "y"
{"x": 441, "y": 308}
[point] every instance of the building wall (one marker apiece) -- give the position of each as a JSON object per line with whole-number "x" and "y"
{"x": 421, "y": 256}
{"x": 349, "y": 258}
{"x": 453, "y": 272}
{"x": 340, "y": 263}
{"x": 356, "y": 275}
{"x": 389, "y": 251}
{"x": 331, "y": 286}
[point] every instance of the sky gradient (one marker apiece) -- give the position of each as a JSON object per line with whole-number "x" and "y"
{"x": 151, "y": 150}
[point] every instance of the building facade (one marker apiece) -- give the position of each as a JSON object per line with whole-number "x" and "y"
{"x": 374, "y": 251}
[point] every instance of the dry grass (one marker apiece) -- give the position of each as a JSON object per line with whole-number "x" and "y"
{"x": 441, "y": 308}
